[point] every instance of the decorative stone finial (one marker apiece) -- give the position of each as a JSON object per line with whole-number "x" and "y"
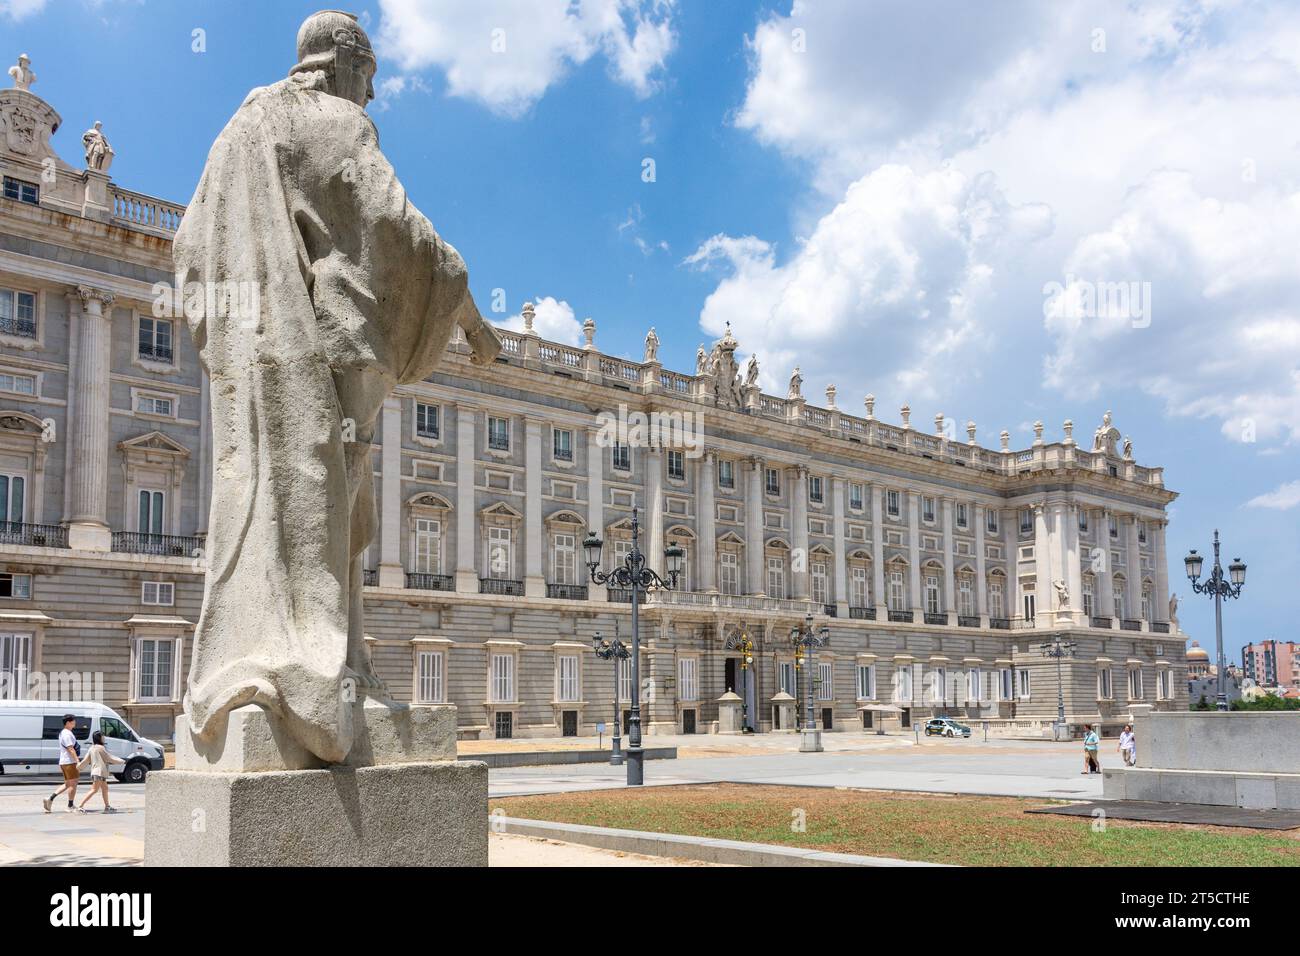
{"x": 23, "y": 77}
{"x": 1038, "y": 432}
{"x": 870, "y": 402}
{"x": 1069, "y": 431}
{"x": 830, "y": 396}
{"x": 906, "y": 412}
{"x": 589, "y": 333}
{"x": 970, "y": 432}
{"x": 938, "y": 424}
{"x": 1005, "y": 438}
{"x": 529, "y": 314}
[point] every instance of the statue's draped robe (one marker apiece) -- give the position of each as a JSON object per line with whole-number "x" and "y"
{"x": 355, "y": 293}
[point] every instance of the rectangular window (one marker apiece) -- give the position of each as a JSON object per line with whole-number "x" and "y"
{"x": 1005, "y": 688}
{"x": 962, "y": 515}
{"x": 625, "y": 679}
{"x": 825, "y": 681}
{"x": 786, "y": 679}
{"x": 726, "y": 474}
{"x": 160, "y": 593}
{"x": 892, "y": 504}
{"x": 896, "y": 591}
{"x": 1113, "y": 526}
{"x": 1146, "y": 605}
{"x": 1142, "y": 532}
{"x": 22, "y": 190}
{"x": 1118, "y": 594}
{"x": 688, "y": 687}
{"x": 620, "y": 457}
{"x": 816, "y": 492}
{"x": 564, "y": 562}
{"x": 991, "y": 521}
{"x": 1103, "y": 683}
{"x": 866, "y": 682}
{"x": 499, "y": 433}
{"x": 1026, "y": 521}
{"x": 503, "y": 678}
{"x": 154, "y": 669}
{"x": 676, "y": 465}
{"x": 1089, "y": 604}
{"x": 150, "y": 512}
{"x": 426, "y": 546}
{"x": 820, "y": 588}
{"x": 931, "y": 594}
{"x": 15, "y": 665}
{"x": 974, "y": 684}
{"x": 1083, "y": 520}
{"x": 856, "y": 494}
{"x": 155, "y": 339}
{"x": 997, "y": 607}
{"x": 1023, "y": 682}
{"x": 728, "y": 573}
{"x": 939, "y": 684}
{"x": 860, "y": 594}
{"x": 927, "y": 509}
{"x": 19, "y": 384}
{"x": 13, "y": 505}
{"x": 430, "y": 687}
{"x": 1135, "y": 683}
{"x": 562, "y": 444}
{"x": 1163, "y": 685}
{"x": 965, "y": 597}
{"x": 500, "y": 557}
{"x": 776, "y": 577}
{"x": 17, "y": 586}
{"x": 18, "y": 313}
{"x": 426, "y": 420}
{"x": 903, "y": 682}
{"x": 567, "y": 677}
{"x": 773, "y": 481}
{"x": 154, "y": 405}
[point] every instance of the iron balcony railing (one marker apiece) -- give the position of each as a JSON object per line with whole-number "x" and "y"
{"x": 901, "y": 617}
{"x": 1127, "y": 625}
{"x": 369, "y": 578}
{"x": 35, "y": 535}
{"x": 23, "y": 328}
{"x": 1101, "y": 622}
{"x": 829, "y": 610}
{"x": 568, "y": 592}
{"x": 967, "y": 620}
{"x": 619, "y": 595}
{"x": 862, "y": 613}
{"x": 158, "y": 353}
{"x": 501, "y": 586}
{"x": 1160, "y": 627}
{"x": 167, "y": 545}
{"x": 419, "y": 581}
{"x": 931, "y": 618}
{"x": 1000, "y": 623}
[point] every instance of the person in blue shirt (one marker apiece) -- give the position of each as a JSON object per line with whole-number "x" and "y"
{"x": 1090, "y": 741}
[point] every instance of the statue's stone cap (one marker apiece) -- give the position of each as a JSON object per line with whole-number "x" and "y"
{"x": 319, "y": 33}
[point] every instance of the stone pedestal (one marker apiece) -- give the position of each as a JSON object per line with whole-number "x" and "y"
{"x": 729, "y": 714}
{"x": 415, "y": 814}
{"x": 810, "y": 741}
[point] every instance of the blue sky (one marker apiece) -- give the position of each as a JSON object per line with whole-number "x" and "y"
{"x": 879, "y": 192}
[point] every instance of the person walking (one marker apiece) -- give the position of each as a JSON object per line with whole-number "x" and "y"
{"x": 99, "y": 759}
{"x": 69, "y": 758}
{"x": 1090, "y": 740}
{"x": 1128, "y": 746}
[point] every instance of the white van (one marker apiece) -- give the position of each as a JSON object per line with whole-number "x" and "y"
{"x": 29, "y": 738}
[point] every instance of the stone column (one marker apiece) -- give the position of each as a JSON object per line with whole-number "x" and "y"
{"x": 391, "y": 572}
{"x": 877, "y": 545}
{"x": 706, "y": 562}
{"x": 595, "y": 506}
{"x": 914, "y": 553}
{"x": 1161, "y": 597}
{"x": 466, "y": 500}
{"x": 798, "y": 478}
{"x": 652, "y": 543}
{"x": 88, "y": 519}
{"x": 1044, "y": 593}
{"x": 754, "y": 582}
{"x": 981, "y": 568}
{"x": 1133, "y": 579}
{"x": 1073, "y": 563}
{"x": 841, "y": 592}
{"x": 534, "y": 581}
{"x": 949, "y": 577}
{"x": 1103, "y": 579}
{"x": 1011, "y": 545}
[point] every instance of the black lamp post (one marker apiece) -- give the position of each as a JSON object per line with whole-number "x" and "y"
{"x": 801, "y": 637}
{"x": 1220, "y": 587}
{"x": 1058, "y": 648}
{"x": 739, "y": 641}
{"x": 634, "y": 574}
{"x": 613, "y": 650}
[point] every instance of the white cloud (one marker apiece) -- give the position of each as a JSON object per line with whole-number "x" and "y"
{"x": 20, "y": 9}
{"x": 553, "y": 320}
{"x": 1284, "y": 497}
{"x": 507, "y": 53}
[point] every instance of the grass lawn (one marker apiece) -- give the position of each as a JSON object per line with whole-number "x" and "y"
{"x": 970, "y": 831}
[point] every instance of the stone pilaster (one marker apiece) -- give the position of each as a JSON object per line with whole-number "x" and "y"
{"x": 949, "y": 559}
{"x": 1133, "y": 575}
{"x": 466, "y": 500}
{"x": 1044, "y": 599}
{"x": 1011, "y": 545}
{"x": 1072, "y": 557}
{"x": 877, "y": 545}
{"x": 595, "y": 503}
{"x": 534, "y": 581}
{"x": 88, "y": 519}
{"x": 391, "y": 572}
{"x": 981, "y": 566}
{"x": 652, "y": 545}
{"x": 914, "y": 553}
{"x": 1161, "y": 597}
{"x": 1105, "y": 573}
{"x": 840, "y": 594}
{"x": 798, "y": 478}
{"x": 706, "y": 574}
{"x": 754, "y": 581}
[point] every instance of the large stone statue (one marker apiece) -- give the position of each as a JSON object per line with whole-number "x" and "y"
{"x": 356, "y": 294}
{"x": 651, "y": 346}
{"x": 21, "y": 73}
{"x": 99, "y": 155}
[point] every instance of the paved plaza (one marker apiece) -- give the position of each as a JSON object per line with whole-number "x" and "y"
{"x": 998, "y": 767}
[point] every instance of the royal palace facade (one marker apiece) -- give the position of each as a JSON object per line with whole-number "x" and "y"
{"x": 942, "y": 569}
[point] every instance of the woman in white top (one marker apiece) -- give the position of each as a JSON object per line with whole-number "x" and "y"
{"x": 1128, "y": 745}
{"x": 99, "y": 758}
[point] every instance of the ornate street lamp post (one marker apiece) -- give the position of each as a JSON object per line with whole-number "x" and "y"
{"x": 801, "y": 637}
{"x": 616, "y": 651}
{"x": 1219, "y": 587}
{"x": 634, "y": 574}
{"x": 739, "y": 641}
{"x": 1058, "y": 648}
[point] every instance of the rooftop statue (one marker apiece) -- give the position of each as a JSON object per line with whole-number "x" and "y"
{"x": 99, "y": 155}
{"x": 355, "y": 294}
{"x": 22, "y": 76}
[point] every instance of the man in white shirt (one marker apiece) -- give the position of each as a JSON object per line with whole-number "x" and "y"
{"x": 1128, "y": 746}
{"x": 68, "y": 761}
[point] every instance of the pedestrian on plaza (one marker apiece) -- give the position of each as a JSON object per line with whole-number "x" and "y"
{"x": 99, "y": 758}
{"x": 69, "y": 757}
{"x": 1090, "y": 740}
{"x": 1128, "y": 746}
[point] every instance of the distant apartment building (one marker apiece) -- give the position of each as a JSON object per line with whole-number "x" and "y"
{"x": 1272, "y": 663}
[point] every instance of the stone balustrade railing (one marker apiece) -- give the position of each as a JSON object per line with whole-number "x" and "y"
{"x": 146, "y": 213}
